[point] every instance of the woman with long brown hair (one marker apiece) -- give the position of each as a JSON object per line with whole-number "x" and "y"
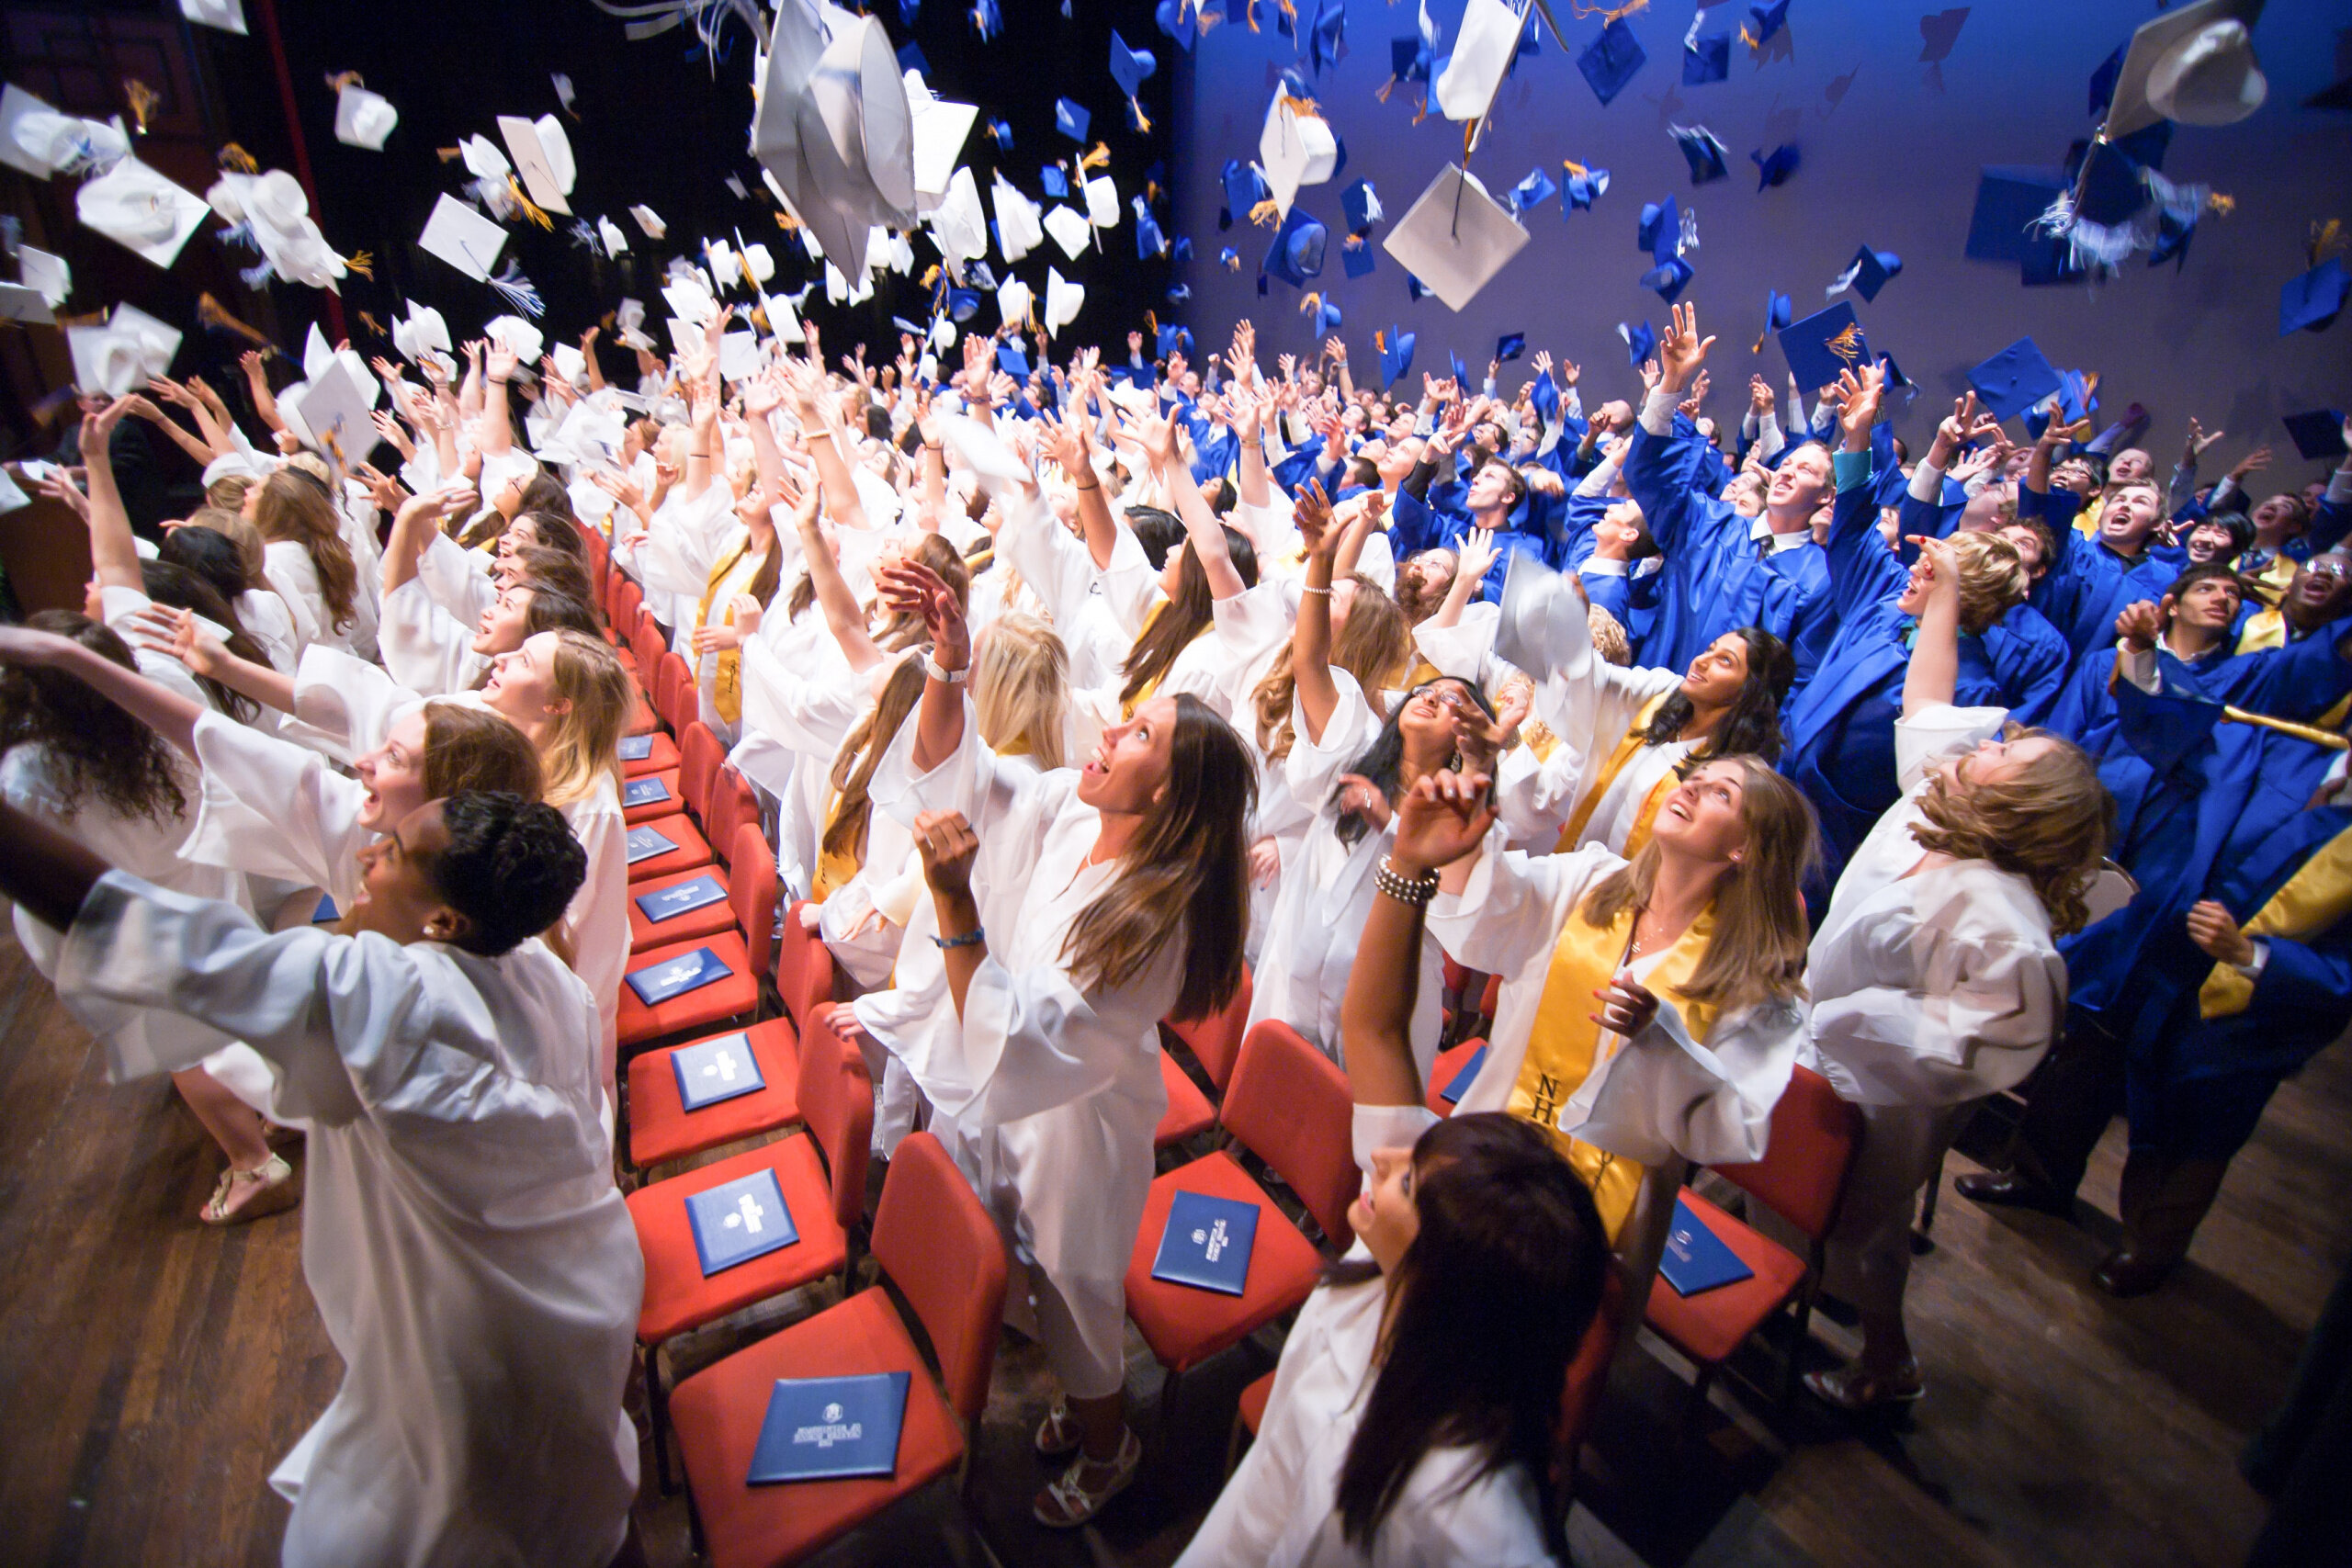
{"x": 307, "y": 561}
{"x": 1070, "y": 911}
{"x": 1936, "y": 974}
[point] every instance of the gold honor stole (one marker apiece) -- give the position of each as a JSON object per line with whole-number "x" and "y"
{"x": 1127, "y": 705}
{"x": 2313, "y": 899}
{"x": 833, "y": 869}
{"x": 1639, "y": 834}
{"x": 727, "y": 682}
{"x": 1565, "y": 1040}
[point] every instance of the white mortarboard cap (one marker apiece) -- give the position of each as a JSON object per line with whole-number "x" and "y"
{"x": 330, "y": 413}
{"x": 940, "y": 130}
{"x": 833, "y": 126}
{"x": 648, "y": 220}
{"x": 759, "y": 266}
{"x": 979, "y": 450}
{"x": 570, "y": 364}
{"x": 23, "y": 145}
{"x": 363, "y": 119}
{"x": 513, "y": 332}
{"x": 20, "y": 303}
{"x": 1294, "y": 149}
{"x": 2201, "y": 66}
{"x": 836, "y": 285}
{"x": 482, "y": 160}
{"x": 616, "y": 240}
{"x": 726, "y": 267}
{"x": 959, "y": 227}
{"x": 1070, "y": 230}
{"x": 894, "y": 248}
{"x": 107, "y": 359}
{"x": 50, "y": 276}
{"x": 630, "y": 318}
{"x": 689, "y": 301}
{"x": 463, "y": 238}
{"x": 1018, "y": 230}
{"x": 1064, "y": 299}
{"x": 277, "y": 211}
{"x": 1013, "y": 299}
{"x": 782, "y": 319}
{"x": 1482, "y": 54}
{"x": 423, "y": 332}
{"x": 228, "y": 15}
{"x": 133, "y": 205}
{"x": 556, "y": 144}
{"x": 317, "y": 353}
{"x": 1103, "y": 202}
{"x": 1455, "y": 237}
{"x": 739, "y": 355}
{"x": 534, "y": 162}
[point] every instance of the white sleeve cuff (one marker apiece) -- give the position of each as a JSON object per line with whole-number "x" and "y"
{"x": 1658, "y": 413}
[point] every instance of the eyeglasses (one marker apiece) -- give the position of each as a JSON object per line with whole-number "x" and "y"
{"x": 2337, "y": 569}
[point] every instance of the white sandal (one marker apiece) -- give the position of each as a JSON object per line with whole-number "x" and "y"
{"x": 278, "y": 1194}
{"x": 1057, "y": 1435}
{"x": 1068, "y": 1502}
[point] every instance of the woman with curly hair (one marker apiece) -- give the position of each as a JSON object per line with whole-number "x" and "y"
{"x": 1935, "y": 974}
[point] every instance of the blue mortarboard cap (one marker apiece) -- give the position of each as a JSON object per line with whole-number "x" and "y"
{"x": 2312, "y": 299}
{"x": 911, "y": 57}
{"x": 2014, "y": 379}
{"x": 1586, "y": 185}
{"x": 982, "y": 278}
{"x": 908, "y": 11}
{"x": 1461, "y": 371}
{"x": 1326, "y": 41}
{"x": 963, "y": 304}
{"x": 1057, "y": 183}
{"x": 1824, "y": 345}
{"x": 912, "y": 329}
{"x": 988, "y": 18}
{"x": 2110, "y": 188}
{"x": 1177, "y": 20}
{"x": 1703, "y": 149}
{"x": 1611, "y": 60}
{"x": 2009, "y": 198}
{"x": 1243, "y": 189}
{"x": 1355, "y": 258}
{"x": 1873, "y": 270}
{"x": 1545, "y": 397}
{"x": 2103, "y": 80}
{"x": 1179, "y": 249}
{"x": 1774, "y": 168}
{"x": 1415, "y": 288}
{"x": 1939, "y": 33}
{"x": 1668, "y": 278}
{"x": 1900, "y": 389}
{"x": 1296, "y": 253}
{"x": 1227, "y": 256}
{"x": 1003, "y": 134}
{"x": 1531, "y": 192}
{"x": 1395, "y": 357}
{"x": 1660, "y": 229}
{"x": 1142, "y": 377}
{"x": 1779, "y": 311}
{"x": 1149, "y": 241}
{"x": 2318, "y": 436}
{"x": 1706, "y": 59}
{"x": 2077, "y": 395}
{"x": 1764, "y": 19}
{"x": 1324, "y": 312}
{"x": 1361, "y": 205}
{"x": 1174, "y": 340}
{"x": 1179, "y": 293}
{"x": 1409, "y": 58}
{"x": 1510, "y": 346}
{"x": 2173, "y": 234}
{"x": 1071, "y": 119}
{"x": 1130, "y": 67}
{"x": 1641, "y": 342}
{"x": 1012, "y": 361}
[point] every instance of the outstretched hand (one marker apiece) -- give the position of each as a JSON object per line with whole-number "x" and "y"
{"x": 1443, "y": 818}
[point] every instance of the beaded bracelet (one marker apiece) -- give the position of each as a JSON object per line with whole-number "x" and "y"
{"x": 1416, "y": 891}
{"x": 972, "y": 937}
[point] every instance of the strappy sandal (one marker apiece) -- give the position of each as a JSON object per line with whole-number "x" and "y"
{"x": 1059, "y": 1435}
{"x": 277, "y": 1193}
{"x": 277, "y": 1135}
{"x": 1857, "y": 1392}
{"x": 1073, "y": 1500}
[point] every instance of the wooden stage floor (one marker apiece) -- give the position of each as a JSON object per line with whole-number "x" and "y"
{"x": 156, "y": 1370}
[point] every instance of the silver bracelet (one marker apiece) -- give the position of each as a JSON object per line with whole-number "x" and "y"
{"x": 1325, "y": 591}
{"x": 1416, "y": 891}
{"x": 945, "y": 677}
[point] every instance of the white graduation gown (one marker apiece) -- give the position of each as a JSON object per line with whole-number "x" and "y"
{"x": 475, "y": 1265}
{"x": 1657, "y": 1096}
{"x": 294, "y": 578}
{"x": 1280, "y": 1507}
{"x": 425, "y": 648}
{"x": 1046, "y": 1095}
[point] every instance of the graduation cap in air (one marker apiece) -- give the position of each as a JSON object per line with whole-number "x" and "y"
{"x": 362, "y": 118}
{"x": 2312, "y": 299}
{"x": 2014, "y": 379}
{"x": 1360, "y": 204}
{"x": 1056, "y": 182}
{"x": 1764, "y": 18}
{"x": 1174, "y": 340}
{"x": 1703, "y": 149}
{"x": 1323, "y": 313}
{"x": 1012, "y": 360}
{"x": 1868, "y": 273}
{"x": 1227, "y": 256}
{"x": 1641, "y": 342}
{"x": 1071, "y": 119}
{"x": 1531, "y": 192}
{"x": 1659, "y": 230}
{"x": 1395, "y": 355}
{"x": 1178, "y": 19}
{"x": 2318, "y": 436}
{"x": 911, "y": 57}
{"x": 1510, "y": 346}
{"x": 1460, "y": 371}
{"x": 1825, "y": 345}
{"x": 834, "y": 128}
{"x": 1668, "y": 278}
{"x": 1355, "y": 256}
{"x": 1939, "y": 33}
{"x": 1243, "y": 189}
{"x": 1455, "y": 237}
{"x": 1774, "y": 168}
{"x": 1900, "y": 391}
{"x": 1130, "y": 68}
{"x": 1326, "y": 41}
{"x": 1611, "y": 60}
{"x": 1705, "y": 58}
{"x": 1585, "y": 185}
{"x": 1778, "y": 311}
{"x": 1149, "y": 241}
{"x": 1415, "y": 289}
{"x": 2193, "y": 64}
{"x": 1296, "y": 253}
{"x": 2010, "y": 199}
{"x": 1296, "y": 147}
{"x": 1003, "y": 132}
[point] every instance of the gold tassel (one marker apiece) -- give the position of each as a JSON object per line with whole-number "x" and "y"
{"x": 237, "y": 160}
{"x": 143, "y": 99}
{"x": 361, "y": 263}
{"x": 530, "y": 208}
{"x": 367, "y": 320}
{"x": 1097, "y": 157}
{"x": 210, "y": 313}
{"x": 1266, "y": 214}
{"x": 2220, "y": 205}
{"x": 2326, "y": 238}
{"x": 339, "y": 80}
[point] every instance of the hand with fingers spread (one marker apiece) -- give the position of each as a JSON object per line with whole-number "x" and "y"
{"x": 98, "y": 429}
{"x": 58, "y": 485}
{"x": 1443, "y": 818}
{"x": 1759, "y": 397}
{"x": 382, "y": 489}
{"x": 1359, "y": 797}
{"x": 913, "y": 588}
{"x": 1311, "y": 513}
{"x": 1680, "y": 349}
{"x": 2254, "y": 462}
{"x": 1479, "y": 554}
{"x": 1963, "y": 427}
{"x": 1860, "y": 393}
{"x": 1480, "y": 739}
{"x": 161, "y": 629}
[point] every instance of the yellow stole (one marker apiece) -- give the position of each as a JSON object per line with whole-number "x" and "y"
{"x": 726, "y": 681}
{"x": 2264, "y": 628}
{"x": 1626, "y": 749}
{"x": 833, "y": 869}
{"x": 1127, "y": 705}
{"x": 2313, "y": 899}
{"x": 1564, "y": 1045}
{"x": 2086, "y": 520}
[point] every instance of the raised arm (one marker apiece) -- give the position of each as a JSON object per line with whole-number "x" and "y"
{"x": 1066, "y": 441}
{"x": 181, "y": 438}
{"x": 1934, "y": 674}
{"x": 415, "y": 521}
{"x": 166, "y": 630}
{"x": 939, "y": 725}
{"x": 114, "y": 557}
{"x": 257, "y": 383}
{"x": 1156, "y": 438}
{"x": 1310, "y": 636}
{"x": 1441, "y": 821}
{"x": 821, "y": 432}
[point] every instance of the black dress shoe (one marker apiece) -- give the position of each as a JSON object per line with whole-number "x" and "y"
{"x": 2009, "y": 1188}
{"x": 2126, "y": 1274}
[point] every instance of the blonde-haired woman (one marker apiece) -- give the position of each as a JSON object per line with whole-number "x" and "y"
{"x": 1936, "y": 975}
{"x": 1021, "y": 691}
{"x": 1693, "y": 951}
{"x": 307, "y": 561}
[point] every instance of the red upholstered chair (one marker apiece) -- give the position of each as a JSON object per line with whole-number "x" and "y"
{"x": 1288, "y": 1103}
{"x": 665, "y": 803}
{"x": 1189, "y": 1112}
{"x": 660, "y": 1127}
{"x": 661, "y": 755}
{"x": 693, "y": 851}
{"x": 804, "y": 968}
{"x": 1801, "y": 1177}
{"x": 676, "y": 696}
{"x": 1450, "y": 1065}
{"x": 700, "y": 755}
{"x": 746, "y": 951}
{"x": 697, "y": 761}
{"x": 823, "y": 1177}
{"x": 1216, "y": 1040}
{"x": 940, "y": 1249}
{"x": 644, "y": 935}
